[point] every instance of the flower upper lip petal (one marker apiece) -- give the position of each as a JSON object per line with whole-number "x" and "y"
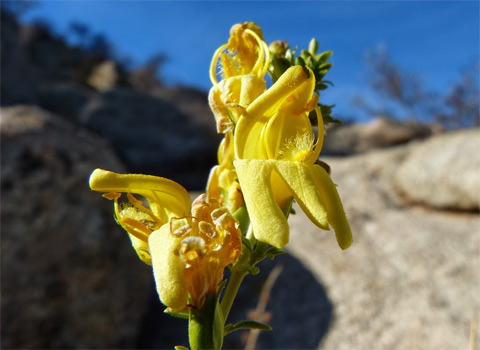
{"x": 160, "y": 192}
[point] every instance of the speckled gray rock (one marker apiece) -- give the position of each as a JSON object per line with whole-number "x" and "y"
{"x": 153, "y": 136}
{"x": 443, "y": 172}
{"x": 70, "y": 278}
{"x": 378, "y": 133}
{"x": 411, "y": 278}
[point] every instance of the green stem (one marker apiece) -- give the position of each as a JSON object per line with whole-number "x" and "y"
{"x": 205, "y": 327}
{"x": 231, "y": 291}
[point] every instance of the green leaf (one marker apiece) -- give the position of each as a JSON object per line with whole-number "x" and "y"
{"x": 273, "y": 252}
{"x": 246, "y": 324}
{"x": 323, "y": 57}
{"x": 325, "y": 66}
{"x": 183, "y": 315}
{"x": 305, "y": 54}
{"x": 180, "y": 347}
{"x": 321, "y": 86}
{"x": 300, "y": 61}
{"x": 313, "y": 46}
{"x": 252, "y": 270}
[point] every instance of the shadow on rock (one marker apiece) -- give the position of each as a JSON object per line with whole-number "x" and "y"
{"x": 300, "y": 309}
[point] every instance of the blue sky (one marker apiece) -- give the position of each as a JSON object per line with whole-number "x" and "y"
{"x": 435, "y": 39}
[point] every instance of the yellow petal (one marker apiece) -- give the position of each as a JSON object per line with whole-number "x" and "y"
{"x": 302, "y": 184}
{"x": 168, "y": 268}
{"x": 293, "y": 79}
{"x": 268, "y": 221}
{"x": 283, "y": 129}
{"x": 333, "y": 204}
{"x": 252, "y": 139}
{"x": 248, "y": 138}
{"x": 142, "y": 250}
{"x": 229, "y": 98}
{"x": 165, "y": 197}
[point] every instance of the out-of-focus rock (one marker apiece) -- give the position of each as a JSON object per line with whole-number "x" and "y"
{"x": 192, "y": 102}
{"x": 66, "y": 99}
{"x": 153, "y": 136}
{"x": 154, "y": 130}
{"x": 379, "y": 133}
{"x": 70, "y": 278}
{"x": 410, "y": 280}
{"x": 443, "y": 172}
{"x": 18, "y": 82}
{"x": 104, "y": 76}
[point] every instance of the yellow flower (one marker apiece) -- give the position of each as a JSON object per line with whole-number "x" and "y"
{"x": 243, "y": 68}
{"x": 165, "y": 199}
{"x": 222, "y": 184}
{"x": 275, "y": 151}
{"x": 193, "y": 251}
{"x": 188, "y": 246}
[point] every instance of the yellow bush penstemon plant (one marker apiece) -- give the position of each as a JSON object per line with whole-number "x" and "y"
{"x": 267, "y": 159}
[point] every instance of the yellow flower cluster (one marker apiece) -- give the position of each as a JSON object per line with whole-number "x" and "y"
{"x": 269, "y": 146}
{"x": 267, "y": 158}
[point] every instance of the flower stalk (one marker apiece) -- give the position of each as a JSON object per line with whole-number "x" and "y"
{"x": 205, "y": 325}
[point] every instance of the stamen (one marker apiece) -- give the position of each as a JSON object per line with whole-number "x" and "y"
{"x": 112, "y": 195}
{"x": 139, "y": 205}
{"x": 297, "y": 149}
{"x": 135, "y": 228}
{"x": 213, "y": 65}
{"x": 317, "y": 147}
{"x": 191, "y": 249}
{"x": 267, "y": 59}
{"x": 184, "y": 229}
{"x": 207, "y": 229}
{"x": 263, "y": 51}
{"x": 227, "y": 70}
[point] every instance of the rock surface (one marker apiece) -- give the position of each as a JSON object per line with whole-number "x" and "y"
{"x": 378, "y": 133}
{"x": 411, "y": 278}
{"x": 70, "y": 278}
{"x": 155, "y": 129}
{"x": 153, "y": 136}
{"x": 443, "y": 172}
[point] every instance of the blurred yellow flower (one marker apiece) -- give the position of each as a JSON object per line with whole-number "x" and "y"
{"x": 275, "y": 151}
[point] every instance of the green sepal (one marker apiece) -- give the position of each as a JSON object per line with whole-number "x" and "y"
{"x": 246, "y": 324}
{"x": 183, "y": 315}
{"x": 241, "y": 214}
{"x": 180, "y": 347}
